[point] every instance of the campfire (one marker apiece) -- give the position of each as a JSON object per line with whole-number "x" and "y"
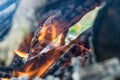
{"x": 44, "y": 54}
{"x": 33, "y": 60}
{"x": 39, "y": 63}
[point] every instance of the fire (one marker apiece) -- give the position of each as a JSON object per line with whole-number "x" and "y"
{"x": 53, "y": 32}
{"x": 4, "y": 79}
{"x": 20, "y": 53}
{"x": 27, "y": 71}
{"x": 46, "y": 31}
{"x": 42, "y": 70}
{"x": 30, "y": 70}
{"x": 43, "y": 33}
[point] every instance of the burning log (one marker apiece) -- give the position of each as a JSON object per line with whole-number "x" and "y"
{"x": 53, "y": 26}
{"x": 59, "y": 22}
{"x": 59, "y": 61}
{"x": 45, "y": 60}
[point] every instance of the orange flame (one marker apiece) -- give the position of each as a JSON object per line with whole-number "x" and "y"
{"x": 20, "y": 53}
{"x": 53, "y": 32}
{"x": 39, "y": 71}
{"x": 42, "y": 70}
{"x": 43, "y": 33}
{"x": 27, "y": 71}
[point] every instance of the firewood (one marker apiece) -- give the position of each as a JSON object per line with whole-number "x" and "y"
{"x": 61, "y": 21}
{"x": 51, "y": 56}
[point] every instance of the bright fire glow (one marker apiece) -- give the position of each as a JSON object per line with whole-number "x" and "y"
{"x": 27, "y": 71}
{"x": 39, "y": 71}
{"x": 43, "y": 33}
{"x": 53, "y": 32}
{"x": 20, "y": 53}
{"x": 4, "y": 79}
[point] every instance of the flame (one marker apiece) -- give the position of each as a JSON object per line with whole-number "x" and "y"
{"x": 42, "y": 70}
{"x": 53, "y": 32}
{"x": 27, "y": 71}
{"x": 20, "y": 53}
{"x": 39, "y": 71}
{"x": 46, "y": 30}
{"x": 4, "y": 79}
{"x": 43, "y": 33}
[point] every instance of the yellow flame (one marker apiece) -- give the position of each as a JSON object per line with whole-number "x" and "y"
{"x": 20, "y": 53}
{"x": 42, "y": 33}
{"x": 5, "y": 79}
